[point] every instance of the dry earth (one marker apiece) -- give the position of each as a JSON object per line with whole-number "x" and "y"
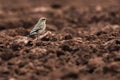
{"x": 84, "y": 43}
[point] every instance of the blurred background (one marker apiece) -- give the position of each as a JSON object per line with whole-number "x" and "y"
{"x": 25, "y": 13}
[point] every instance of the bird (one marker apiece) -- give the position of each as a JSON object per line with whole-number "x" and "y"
{"x": 39, "y": 27}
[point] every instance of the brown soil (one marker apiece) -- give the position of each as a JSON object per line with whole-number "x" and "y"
{"x": 84, "y": 43}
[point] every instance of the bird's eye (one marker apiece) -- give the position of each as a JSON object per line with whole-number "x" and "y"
{"x": 43, "y": 19}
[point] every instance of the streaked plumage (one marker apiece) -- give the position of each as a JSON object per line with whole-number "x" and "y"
{"x": 39, "y": 27}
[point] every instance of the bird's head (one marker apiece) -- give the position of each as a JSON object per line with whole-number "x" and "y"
{"x": 42, "y": 19}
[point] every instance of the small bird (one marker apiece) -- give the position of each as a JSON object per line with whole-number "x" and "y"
{"x": 39, "y": 27}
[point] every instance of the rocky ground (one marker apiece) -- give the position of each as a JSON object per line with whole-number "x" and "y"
{"x": 84, "y": 43}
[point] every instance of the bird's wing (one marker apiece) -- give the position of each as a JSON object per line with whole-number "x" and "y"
{"x": 37, "y": 27}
